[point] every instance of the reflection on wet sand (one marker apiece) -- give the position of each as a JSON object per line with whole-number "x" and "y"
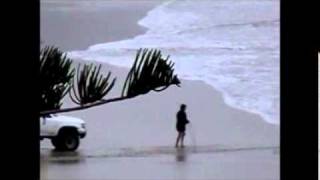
{"x": 62, "y": 157}
{"x": 162, "y": 162}
{"x": 181, "y": 155}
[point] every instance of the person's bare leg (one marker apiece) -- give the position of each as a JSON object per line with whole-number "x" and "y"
{"x": 178, "y": 138}
{"x": 182, "y": 138}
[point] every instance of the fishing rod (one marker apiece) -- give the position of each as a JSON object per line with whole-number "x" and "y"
{"x": 193, "y": 136}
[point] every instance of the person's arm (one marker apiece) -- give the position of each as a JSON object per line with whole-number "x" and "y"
{"x": 186, "y": 119}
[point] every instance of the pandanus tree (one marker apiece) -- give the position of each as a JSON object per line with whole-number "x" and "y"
{"x": 56, "y": 75}
{"x": 87, "y": 86}
{"x": 149, "y": 72}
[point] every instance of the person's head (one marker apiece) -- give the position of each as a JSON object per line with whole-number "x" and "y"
{"x": 183, "y": 107}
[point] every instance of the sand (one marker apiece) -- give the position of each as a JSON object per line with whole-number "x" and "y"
{"x": 75, "y": 25}
{"x": 138, "y": 134}
{"x": 134, "y": 139}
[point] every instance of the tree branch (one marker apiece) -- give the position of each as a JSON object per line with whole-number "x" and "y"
{"x": 162, "y": 89}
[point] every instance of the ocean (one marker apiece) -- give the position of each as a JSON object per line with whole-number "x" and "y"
{"x": 232, "y": 45}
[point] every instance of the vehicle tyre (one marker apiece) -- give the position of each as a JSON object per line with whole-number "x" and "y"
{"x": 67, "y": 140}
{"x": 55, "y": 143}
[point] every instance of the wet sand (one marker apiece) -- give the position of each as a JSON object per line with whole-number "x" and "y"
{"x": 249, "y": 165}
{"x": 139, "y": 133}
{"x": 75, "y": 25}
{"x": 134, "y": 139}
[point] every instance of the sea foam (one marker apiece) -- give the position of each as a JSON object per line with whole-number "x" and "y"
{"x": 232, "y": 45}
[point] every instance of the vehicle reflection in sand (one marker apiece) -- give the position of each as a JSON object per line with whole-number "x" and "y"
{"x": 59, "y": 157}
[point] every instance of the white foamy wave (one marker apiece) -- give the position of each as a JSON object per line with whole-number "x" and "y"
{"x": 232, "y": 45}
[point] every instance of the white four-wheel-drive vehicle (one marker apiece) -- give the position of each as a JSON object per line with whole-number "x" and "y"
{"x": 64, "y": 131}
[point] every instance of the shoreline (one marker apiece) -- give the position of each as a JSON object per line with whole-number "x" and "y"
{"x": 136, "y": 30}
{"x": 125, "y": 69}
{"x": 201, "y": 108}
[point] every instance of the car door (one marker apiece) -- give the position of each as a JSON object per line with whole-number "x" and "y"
{"x": 43, "y": 127}
{"x": 47, "y": 126}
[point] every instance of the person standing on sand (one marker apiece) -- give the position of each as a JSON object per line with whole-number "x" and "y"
{"x": 182, "y": 121}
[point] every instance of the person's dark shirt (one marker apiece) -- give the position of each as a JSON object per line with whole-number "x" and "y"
{"x": 182, "y": 119}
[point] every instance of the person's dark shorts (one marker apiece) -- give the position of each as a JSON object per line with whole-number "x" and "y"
{"x": 181, "y": 129}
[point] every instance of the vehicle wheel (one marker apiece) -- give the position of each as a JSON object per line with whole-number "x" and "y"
{"x": 70, "y": 140}
{"x": 67, "y": 140}
{"x": 55, "y": 143}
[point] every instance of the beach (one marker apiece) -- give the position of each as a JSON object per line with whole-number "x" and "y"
{"x": 134, "y": 139}
{"x": 75, "y": 25}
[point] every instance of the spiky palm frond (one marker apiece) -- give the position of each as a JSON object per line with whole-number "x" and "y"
{"x": 56, "y": 75}
{"x": 149, "y": 72}
{"x": 91, "y": 85}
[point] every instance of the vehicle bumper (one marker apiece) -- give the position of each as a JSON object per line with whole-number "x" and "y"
{"x": 82, "y": 133}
